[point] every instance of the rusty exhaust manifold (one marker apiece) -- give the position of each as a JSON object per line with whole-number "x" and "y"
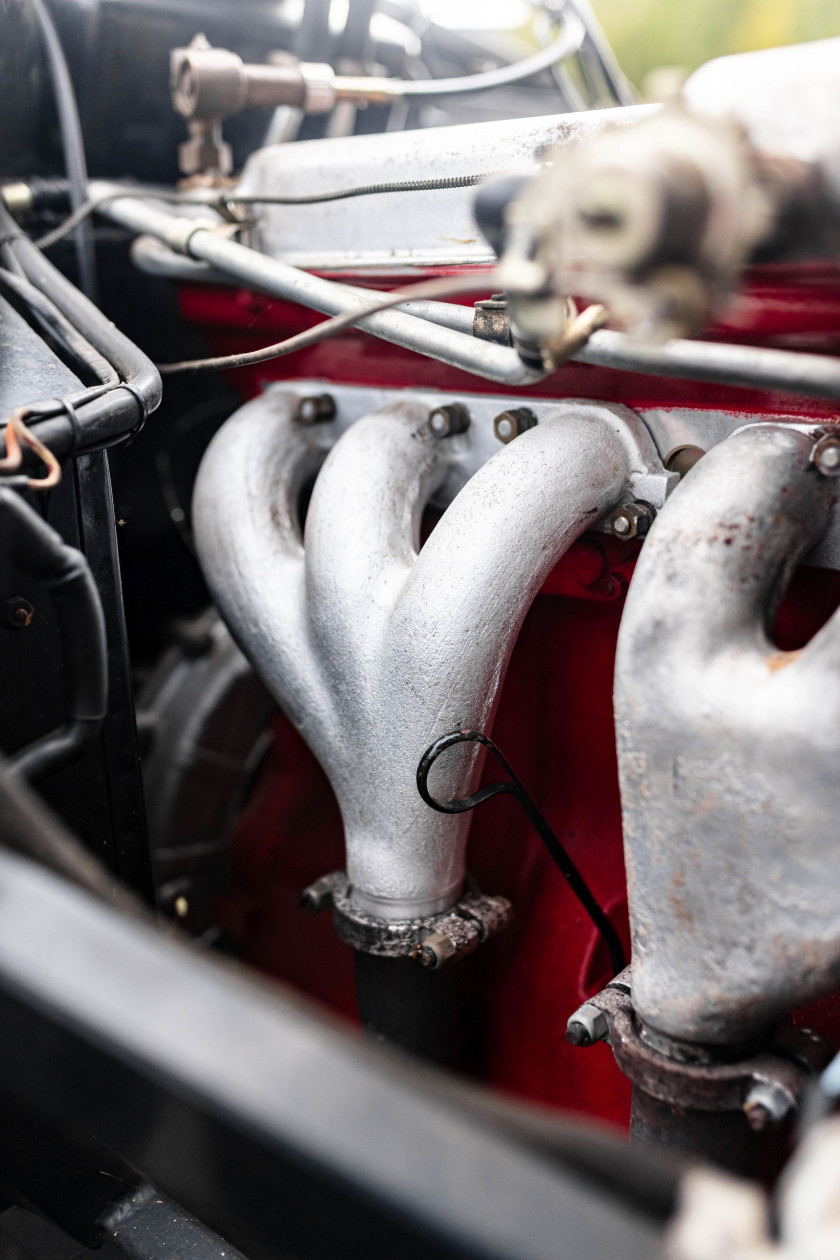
{"x": 729, "y": 750}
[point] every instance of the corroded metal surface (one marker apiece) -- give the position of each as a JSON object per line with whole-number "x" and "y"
{"x": 728, "y": 750}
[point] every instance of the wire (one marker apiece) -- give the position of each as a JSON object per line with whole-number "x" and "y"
{"x": 90, "y": 206}
{"x": 574, "y": 338}
{"x": 17, "y": 436}
{"x": 445, "y": 287}
{"x": 567, "y": 43}
{"x": 363, "y": 190}
{"x": 71, "y": 139}
{"x": 516, "y": 788}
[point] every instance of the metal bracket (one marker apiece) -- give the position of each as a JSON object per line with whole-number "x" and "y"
{"x": 433, "y": 940}
{"x": 767, "y": 1085}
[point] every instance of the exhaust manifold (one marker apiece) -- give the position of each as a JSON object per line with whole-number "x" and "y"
{"x": 729, "y": 750}
{"x": 372, "y": 646}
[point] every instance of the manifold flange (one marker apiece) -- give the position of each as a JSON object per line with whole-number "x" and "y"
{"x": 432, "y": 940}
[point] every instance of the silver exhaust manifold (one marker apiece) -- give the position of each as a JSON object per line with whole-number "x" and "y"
{"x": 729, "y": 750}
{"x": 372, "y": 646}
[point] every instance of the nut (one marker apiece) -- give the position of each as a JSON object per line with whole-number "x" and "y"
{"x": 826, "y": 456}
{"x": 632, "y": 520}
{"x": 510, "y": 424}
{"x": 315, "y": 409}
{"x": 449, "y": 419}
{"x": 586, "y": 1026}
{"x": 318, "y": 896}
{"x": 435, "y": 950}
{"x": 767, "y": 1103}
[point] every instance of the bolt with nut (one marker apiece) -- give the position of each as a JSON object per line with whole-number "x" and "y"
{"x": 586, "y": 1026}
{"x": 632, "y": 520}
{"x": 826, "y": 456}
{"x": 449, "y": 419}
{"x": 315, "y": 409}
{"x": 510, "y": 424}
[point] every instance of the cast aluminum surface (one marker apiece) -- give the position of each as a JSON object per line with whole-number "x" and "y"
{"x": 373, "y": 649}
{"x": 407, "y": 229}
{"x": 787, "y": 98}
{"x": 728, "y": 749}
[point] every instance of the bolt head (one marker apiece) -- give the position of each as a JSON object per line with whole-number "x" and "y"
{"x": 826, "y": 456}
{"x": 315, "y": 409}
{"x": 509, "y": 424}
{"x": 587, "y": 1025}
{"x": 436, "y": 950}
{"x": 632, "y": 520}
{"x": 767, "y": 1103}
{"x": 449, "y": 419}
{"x": 19, "y": 613}
{"x": 577, "y": 1034}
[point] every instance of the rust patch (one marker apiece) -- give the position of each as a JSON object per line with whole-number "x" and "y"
{"x": 780, "y": 660}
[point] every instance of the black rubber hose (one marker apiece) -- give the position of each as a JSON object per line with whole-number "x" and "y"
{"x": 28, "y": 827}
{"x": 55, "y": 325}
{"x": 116, "y": 413}
{"x": 71, "y": 139}
{"x": 65, "y": 573}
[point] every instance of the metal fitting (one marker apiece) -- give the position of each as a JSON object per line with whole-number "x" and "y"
{"x": 767, "y": 1103}
{"x": 448, "y": 420}
{"x": 18, "y": 613}
{"x": 315, "y": 409}
{"x": 826, "y": 456}
{"x": 510, "y": 424}
{"x": 319, "y": 896}
{"x": 436, "y": 950}
{"x": 319, "y": 87}
{"x": 632, "y": 520}
{"x": 491, "y": 321}
{"x": 586, "y": 1026}
{"x": 431, "y": 940}
{"x": 683, "y": 458}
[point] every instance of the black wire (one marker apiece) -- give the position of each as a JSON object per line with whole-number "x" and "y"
{"x": 71, "y": 139}
{"x": 537, "y": 819}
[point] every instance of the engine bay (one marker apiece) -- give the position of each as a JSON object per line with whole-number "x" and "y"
{"x": 421, "y": 570}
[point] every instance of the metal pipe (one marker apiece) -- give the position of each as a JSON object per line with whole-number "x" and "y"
{"x": 751, "y": 367}
{"x": 156, "y": 259}
{"x": 199, "y": 238}
{"x": 373, "y": 649}
{"x": 748, "y": 367}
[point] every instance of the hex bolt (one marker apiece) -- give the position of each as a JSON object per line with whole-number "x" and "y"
{"x": 632, "y": 520}
{"x": 449, "y": 419}
{"x": 510, "y": 424}
{"x": 826, "y": 456}
{"x": 767, "y": 1103}
{"x": 317, "y": 896}
{"x": 18, "y": 613}
{"x": 435, "y": 950}
{"x": 586, "y": 1026}
{"x": 315, "y": 409}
